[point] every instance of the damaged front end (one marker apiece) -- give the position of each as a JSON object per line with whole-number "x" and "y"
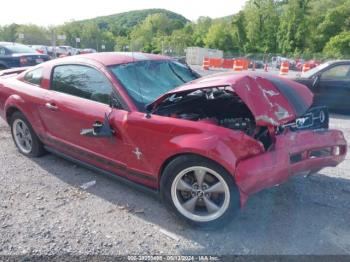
{"x": 300, "y": 152}
{"x": 255, "y": 105}
{"x": 275, "y": 112}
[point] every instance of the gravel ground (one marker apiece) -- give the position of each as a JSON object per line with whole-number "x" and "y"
{"x": 43, "y": 211}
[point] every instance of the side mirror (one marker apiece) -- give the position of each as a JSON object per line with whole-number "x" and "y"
{"x": 316, "y": 81}
{"x": 99, "y": 129}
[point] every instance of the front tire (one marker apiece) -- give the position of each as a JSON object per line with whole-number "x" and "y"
{"x": 24, "y": 136}
{"x": 199, "y": 191}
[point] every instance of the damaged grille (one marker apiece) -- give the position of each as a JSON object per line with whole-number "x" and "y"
{"x": 315, "y": 118}
{"x": 317, "y": 153}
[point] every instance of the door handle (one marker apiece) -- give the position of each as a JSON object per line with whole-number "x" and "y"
{"x": 51, "y": 106}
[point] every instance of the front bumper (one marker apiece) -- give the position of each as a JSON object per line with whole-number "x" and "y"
{"x": 294, "y": 153}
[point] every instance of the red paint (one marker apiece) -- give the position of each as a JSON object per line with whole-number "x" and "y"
{"x": 274, "y": 167}
{"x": 160, "y": 138}
{"x": 257, "y": 93}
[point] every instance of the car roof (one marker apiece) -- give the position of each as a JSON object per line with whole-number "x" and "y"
{"x": 338, "y": 61}
{"x": 115, "y": 58}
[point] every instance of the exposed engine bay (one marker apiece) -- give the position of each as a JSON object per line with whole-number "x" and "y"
{"x": 223, "y": 107}
{"x": 218, "y": 106}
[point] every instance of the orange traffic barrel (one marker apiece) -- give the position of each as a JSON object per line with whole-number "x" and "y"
{"x": 245, "y": 64}
{"x": 227, "y": 63}
{"x": 306, "y": 67}
{"x": 238, "y": 65}
{"x": 215, "y": 62}
{"x": 284, "y": 68}
{"x": 206, "y": 63}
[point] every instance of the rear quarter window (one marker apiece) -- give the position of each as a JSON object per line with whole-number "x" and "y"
{"x": 34, "y": 76}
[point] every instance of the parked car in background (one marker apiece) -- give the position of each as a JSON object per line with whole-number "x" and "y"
{"x": 330, "y": 83}
{"x": 65, "y": 51}
{"x": 18, "y": 55}
{"x": 41, "y": 49}
{"x": 87, "y": 51}
{"x": 204, "y": 144}
{"x": 51, "y": 51}
{"x": 277, "y": 60}
{"x": 259, "y": 64}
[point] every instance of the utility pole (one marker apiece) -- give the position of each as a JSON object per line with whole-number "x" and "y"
{"x": 53, "y": 43}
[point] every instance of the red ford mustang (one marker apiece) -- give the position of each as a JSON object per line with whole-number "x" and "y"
{"x": 205, "y": 146}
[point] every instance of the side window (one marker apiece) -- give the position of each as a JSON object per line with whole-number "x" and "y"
{"x": 34, "y": 76}
{"x": 339, "y": 72}
{"x": 81, "y": 81}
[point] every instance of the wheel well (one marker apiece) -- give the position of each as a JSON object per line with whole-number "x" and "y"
{"x": 10, "y": 111}
{"x": 166, "y": 162}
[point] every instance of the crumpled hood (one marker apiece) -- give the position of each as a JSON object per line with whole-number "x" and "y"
{"x": 272, "y": 100}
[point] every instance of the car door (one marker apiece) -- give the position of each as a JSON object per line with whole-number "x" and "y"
{"x": 333, "y": 88}
{"x": 78, "y": 97}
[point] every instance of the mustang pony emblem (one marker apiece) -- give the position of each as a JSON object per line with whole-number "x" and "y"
{"x": 137, "y": 153}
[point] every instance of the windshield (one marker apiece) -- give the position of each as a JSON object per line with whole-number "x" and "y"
{"x": 147, "y": 80}
{"x": 18, "y": 49}
{"x": 314, "y": 70}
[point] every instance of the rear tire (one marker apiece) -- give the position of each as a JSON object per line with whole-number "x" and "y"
{"x": 199, "y": 191}
{"x": 24, "y": 136}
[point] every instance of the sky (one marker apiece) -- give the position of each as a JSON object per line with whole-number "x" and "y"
{"x": 46, "y": 12}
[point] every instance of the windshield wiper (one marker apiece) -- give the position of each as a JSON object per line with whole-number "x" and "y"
{"x": 194, "y": 73}
{"x": 172, "y": 69}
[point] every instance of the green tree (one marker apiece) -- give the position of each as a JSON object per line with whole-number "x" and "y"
{"x": 335, "y": 21}
{"x": 293, "y": 29}
{"x": 338, "y": 46}
{"x": 8, "y": 33}
{"x": 200, "y": 30}
{"x": 219, "y": 36}
{"x": 262, "y": 21}
{"x": 91, "y": 36}
{"x": 72, "y": 31}
{"x": 176, "y": 43}
{"x": 317, "y": 12}
{"x": 144, "y": 36}
{"x": 239, "y": 37}
{"x": 121, "y": 43}
{"x": 33, "y": 34}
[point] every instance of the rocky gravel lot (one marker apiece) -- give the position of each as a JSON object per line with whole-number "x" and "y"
{"x": 44, "y": 211}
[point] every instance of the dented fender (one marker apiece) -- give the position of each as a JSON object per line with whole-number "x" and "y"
{"x": 225, "y": 150}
